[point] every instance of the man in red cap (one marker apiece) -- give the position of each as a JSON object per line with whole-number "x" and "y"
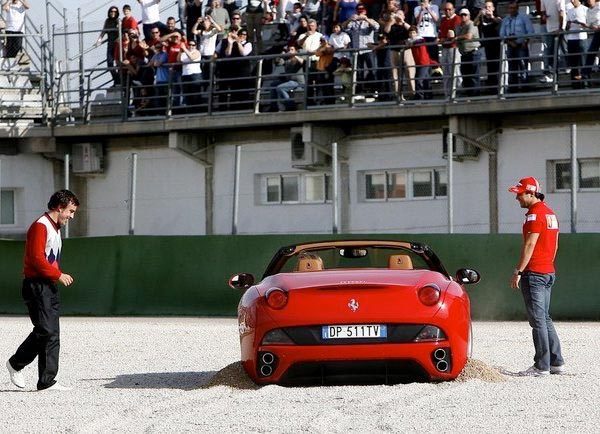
{"x": 534, "y": 274}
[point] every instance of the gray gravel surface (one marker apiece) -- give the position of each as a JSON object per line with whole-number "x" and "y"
{"x": 182, "y": 374}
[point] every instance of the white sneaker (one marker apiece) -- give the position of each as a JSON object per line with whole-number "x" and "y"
{"x": 15, "y": 376}
{"x": 533, "y": 372}
{"x": 546, "y": 79}
{"x": 557, "y": 369}
{"x": 57, "y": 387}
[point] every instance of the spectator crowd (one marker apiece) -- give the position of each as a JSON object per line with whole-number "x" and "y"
{"x": 384, "y": 49}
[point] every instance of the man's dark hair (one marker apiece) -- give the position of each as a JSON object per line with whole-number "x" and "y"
{"x": 539, "y": 196}
{"x": 62, "y": 199}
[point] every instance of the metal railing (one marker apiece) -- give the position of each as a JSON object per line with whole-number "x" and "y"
{"x": 249, "y": 84}
{"x": 253, "y": 84}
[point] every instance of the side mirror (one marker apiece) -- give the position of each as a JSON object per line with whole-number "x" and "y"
{"x": 241, "y": 281}
{"x": 467, "y": 276}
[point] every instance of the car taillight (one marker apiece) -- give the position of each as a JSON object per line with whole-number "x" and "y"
{"x": 277, "y": 298}
{"x": 429, "y": 295}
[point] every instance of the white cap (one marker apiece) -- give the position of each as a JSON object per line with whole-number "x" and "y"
{"x": 464, "y": 11}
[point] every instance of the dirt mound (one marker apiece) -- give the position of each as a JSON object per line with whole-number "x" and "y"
{"x": 232, "y": 375}
{"x": 478, "y": 370}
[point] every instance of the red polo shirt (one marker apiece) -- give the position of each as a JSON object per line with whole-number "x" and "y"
{"x": 448, "y": 24}
{"x": 540, "y": 219}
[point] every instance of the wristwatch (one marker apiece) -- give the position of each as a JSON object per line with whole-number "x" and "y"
{"x": 518, "y": 272}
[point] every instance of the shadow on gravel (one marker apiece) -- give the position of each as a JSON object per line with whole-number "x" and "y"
{"x": 161, "y": 380}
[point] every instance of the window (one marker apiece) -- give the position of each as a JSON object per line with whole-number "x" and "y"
{"x": 296, "y": 188}
{"x": 289, "y": 188}
{"x": 441, "y": 183}
{"x": 589, "y": 174}
{"x": 375, "y": 185}
{"x": 423, "y": 184}
{"x": 273, "y": 189}
{"x": 318, "y": 188}
{"x": 396, "y": 184}
{"x": 393, "y": 184}
{"x": 7, "y": 207}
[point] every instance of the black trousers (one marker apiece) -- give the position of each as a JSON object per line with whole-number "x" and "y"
{"x": 13, "y": 44}
{"x": 42, "y": 301}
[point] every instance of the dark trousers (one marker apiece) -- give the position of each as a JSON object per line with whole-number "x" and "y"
{"x": 576, "y": 59}
{"x": 518, "y": 60}
{"x": 13, "y": 44}
{"x": 110, "y": 62}
{"x": 492, "y": 55}
{"x": 592, "y": 52}
{"x": 423, "y": 83}
{"x": 469, "y": 69}
{"x": 42, "y": 301}
{"x": 364, "y": 75}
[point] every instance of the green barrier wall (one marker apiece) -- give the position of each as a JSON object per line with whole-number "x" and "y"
{"x": 188, "y": 275}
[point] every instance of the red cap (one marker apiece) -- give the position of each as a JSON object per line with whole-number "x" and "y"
{"x": 530, "y": 185}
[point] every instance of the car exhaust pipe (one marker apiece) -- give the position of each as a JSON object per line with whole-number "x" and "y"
{"x": 440, "y": 354}
{"x": 442, "y": 366}
{"x": 266, "y": 370}
{"x": 268, "y": 358}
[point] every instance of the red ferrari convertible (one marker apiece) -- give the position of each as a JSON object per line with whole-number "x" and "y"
{"x": 341, "y": 312}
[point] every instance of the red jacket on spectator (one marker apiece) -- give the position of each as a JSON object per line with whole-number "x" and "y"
{"x": 121, "y": 48}
{"x": 173, "y": 50}
{"x": 420, "y": 53}
{"x": 129, "y": 23}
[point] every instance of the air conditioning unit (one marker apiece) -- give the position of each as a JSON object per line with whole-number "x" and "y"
{"x": 461, "y": 150}
{"x": 87, "y": 158}
{"x": 303, "y": 154}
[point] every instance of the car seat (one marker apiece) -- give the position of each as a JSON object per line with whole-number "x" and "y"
{"x": 400, "y": 262}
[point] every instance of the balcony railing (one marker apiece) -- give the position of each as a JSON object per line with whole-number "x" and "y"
{"x": 255, "y": 84}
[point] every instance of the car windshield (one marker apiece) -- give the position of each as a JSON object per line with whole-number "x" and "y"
{"x": 353, "y": 257}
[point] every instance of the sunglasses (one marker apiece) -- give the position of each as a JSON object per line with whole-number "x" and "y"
{"x": 464, "y": 15}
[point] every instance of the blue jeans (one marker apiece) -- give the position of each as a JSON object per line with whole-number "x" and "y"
{"x": 283, "y": 93}
{"x": 537, "y": 289}
{"x": 469, "y": 69}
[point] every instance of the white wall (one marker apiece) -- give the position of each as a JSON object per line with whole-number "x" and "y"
{"x": 33, "y": 178}
{"x": 254, "y": 217}
{"x": 171, "y": 190}
{"x": 524, "y": 152}
{"x": 170, "y": 194}
{"x": 416, "y": 215}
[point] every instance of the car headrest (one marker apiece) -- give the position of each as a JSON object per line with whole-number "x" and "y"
{"x": 309, "y": 264}
{"x": 400, "y": 262}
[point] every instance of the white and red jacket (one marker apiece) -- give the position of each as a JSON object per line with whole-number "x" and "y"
{"x": 42, "y": 249}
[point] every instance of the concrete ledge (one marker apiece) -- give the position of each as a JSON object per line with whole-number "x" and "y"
{"x": 407, "y": 112}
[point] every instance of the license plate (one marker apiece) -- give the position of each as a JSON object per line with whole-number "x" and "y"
{"x": 359, "y": 331}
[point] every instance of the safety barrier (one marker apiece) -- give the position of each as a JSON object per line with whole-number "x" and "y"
{"x": 188, "y": 275}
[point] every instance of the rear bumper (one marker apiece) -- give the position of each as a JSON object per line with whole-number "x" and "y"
{"x": 395, "y": 362}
